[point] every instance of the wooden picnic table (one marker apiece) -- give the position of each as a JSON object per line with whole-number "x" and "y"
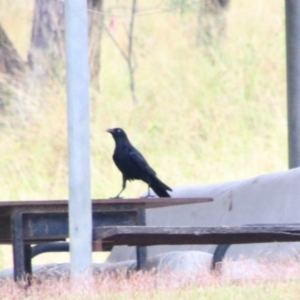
{"x": 23, "y": 223}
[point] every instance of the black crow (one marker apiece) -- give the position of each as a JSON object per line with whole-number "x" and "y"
{"x": 133, "y": 165}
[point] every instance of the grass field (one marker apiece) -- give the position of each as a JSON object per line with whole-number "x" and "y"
{"x": 223, "y": 113}
{"x": 275, "y": 281}
{"x": 202, "y": 116}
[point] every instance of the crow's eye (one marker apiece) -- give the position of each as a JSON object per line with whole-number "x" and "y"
{"x": 119, "y": 130}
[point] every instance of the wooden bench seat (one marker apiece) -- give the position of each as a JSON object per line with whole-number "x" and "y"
{"x": 104, "y": 238}
{"x": 156, "y": 235}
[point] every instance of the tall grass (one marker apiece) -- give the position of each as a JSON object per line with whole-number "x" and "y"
{"x": 203, "y": 115}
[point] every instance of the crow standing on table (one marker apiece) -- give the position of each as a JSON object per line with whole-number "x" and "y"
{"x": 133, "y": 165}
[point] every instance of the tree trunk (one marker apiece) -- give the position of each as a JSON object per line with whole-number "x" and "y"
{"x": 95, "y": 35}
{"x": 211, "y": 21}
{"x": 13, "y": 72}
{"x": 47, "y": 49}
{"x": 10, "y": 61}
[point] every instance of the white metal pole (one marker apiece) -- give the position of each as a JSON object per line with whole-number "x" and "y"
{"x": 292, "y": 8}
{"x": 80, "y": 207}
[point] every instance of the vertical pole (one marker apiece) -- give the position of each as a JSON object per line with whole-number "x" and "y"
{"x": 292, "y": 12}
{"x": 80, "y": 207}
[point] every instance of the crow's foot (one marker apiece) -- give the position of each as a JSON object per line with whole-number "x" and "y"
{"x": 149, "y": 196}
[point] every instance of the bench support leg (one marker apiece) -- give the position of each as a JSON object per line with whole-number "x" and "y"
{"x": 218, "y": 257}
{"x": 141, "y": 252}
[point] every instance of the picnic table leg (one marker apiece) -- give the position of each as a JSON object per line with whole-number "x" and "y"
{"x": 218, "y": 256}
{"x": 22, "y": 263}
{"x": 27, "y": 254}
{"x": 141, "y": 252}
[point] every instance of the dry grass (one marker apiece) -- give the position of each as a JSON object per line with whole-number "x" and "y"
{"x": 273, "y": 281}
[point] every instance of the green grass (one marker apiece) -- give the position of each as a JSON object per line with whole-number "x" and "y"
{"x": 203, "y": 115}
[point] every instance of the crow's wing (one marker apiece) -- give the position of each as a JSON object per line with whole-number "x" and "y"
{"x": 139, "y": 160}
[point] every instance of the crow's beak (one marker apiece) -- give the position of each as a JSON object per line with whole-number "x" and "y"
{"x": 109, "y": 130}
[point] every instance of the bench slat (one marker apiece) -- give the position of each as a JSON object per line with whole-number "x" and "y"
{"x": 156, "y": 235}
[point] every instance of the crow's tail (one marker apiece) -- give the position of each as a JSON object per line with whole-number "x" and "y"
{"x": 159, "y": 188}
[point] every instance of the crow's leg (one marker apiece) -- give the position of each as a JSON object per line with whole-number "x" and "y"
{"x": 123, "y": 188}
{"x": 149, "y": 195}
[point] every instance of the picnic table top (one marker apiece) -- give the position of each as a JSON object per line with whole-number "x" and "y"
{"x": 29, "y": 205}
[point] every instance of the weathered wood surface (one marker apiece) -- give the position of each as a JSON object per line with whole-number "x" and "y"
{"x": 155, "y": 235}
{"x": 40, "y": 218}
{"x": 147, "y": 202}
